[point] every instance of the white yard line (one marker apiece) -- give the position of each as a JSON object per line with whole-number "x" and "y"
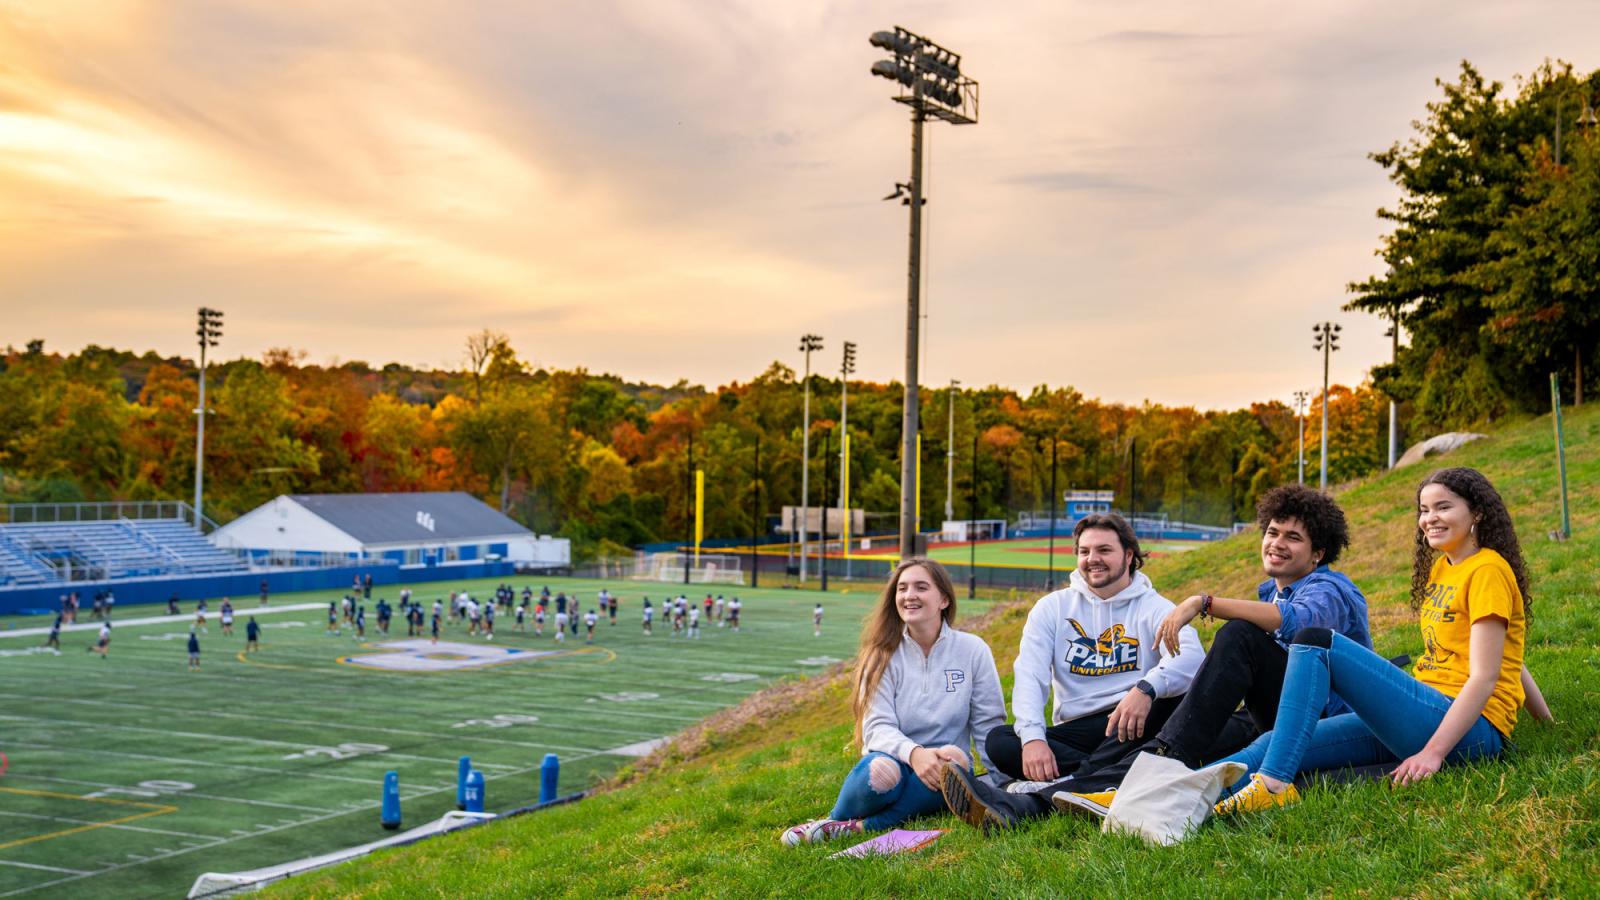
{"x": 12, "y": 862}
{"x": 180, "y": 618}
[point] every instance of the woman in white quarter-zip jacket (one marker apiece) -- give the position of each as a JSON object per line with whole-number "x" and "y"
{"x": 924, "y": 691}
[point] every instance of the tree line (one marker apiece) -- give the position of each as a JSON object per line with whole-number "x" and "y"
{"x": 606, "y": 462}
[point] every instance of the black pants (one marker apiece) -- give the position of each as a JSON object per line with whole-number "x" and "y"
{"x": 1074, "y": 743}
{"x": 1245, "y": 665}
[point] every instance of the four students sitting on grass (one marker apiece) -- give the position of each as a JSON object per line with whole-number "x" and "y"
{"x": 1300, "y": 661}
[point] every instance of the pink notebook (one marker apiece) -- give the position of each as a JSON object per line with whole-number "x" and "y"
{"x": 896, "y": 841}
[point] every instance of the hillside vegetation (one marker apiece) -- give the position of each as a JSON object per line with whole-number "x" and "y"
{"x": 704, "y": 818}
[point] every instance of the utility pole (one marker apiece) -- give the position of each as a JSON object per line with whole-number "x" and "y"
{"x": 1050, "y": 585}
{"x": 755, "y": 516}
{"x": 847, "y": 367}
{"x": 1300, "y": 398}
{"x": 808, "y": 344}
{"x": 827, "y": 464}
{"x": 950, "y": 457}
{"x": 1394, "y": 359}
{"x": 209, "y": 331}
{"x": 1327, "y": 335}
{"x": 688, "y": 506}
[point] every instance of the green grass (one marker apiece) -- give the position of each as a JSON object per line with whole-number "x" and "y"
{"x": 704, "y": 820}
{"x": 214, "y": 765}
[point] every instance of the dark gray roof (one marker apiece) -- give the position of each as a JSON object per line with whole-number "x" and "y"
{"x": 395, "y": 519}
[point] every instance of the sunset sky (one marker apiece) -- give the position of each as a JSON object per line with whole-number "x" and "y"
{"x": 1159, "y": 201}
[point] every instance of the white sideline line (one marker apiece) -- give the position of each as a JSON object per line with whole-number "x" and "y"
{"x": 23, "y": 815}
{"x": 12, "y": 862}
{"x": 162, "y": 620}
{"x": 267, "y": 830}
{"x": 642, "y": 748}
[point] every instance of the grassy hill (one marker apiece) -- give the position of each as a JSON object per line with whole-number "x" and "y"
{"x": 703, "y": 818}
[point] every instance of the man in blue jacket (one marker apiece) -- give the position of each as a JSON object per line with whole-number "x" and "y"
{"x": 1303, "y": 531}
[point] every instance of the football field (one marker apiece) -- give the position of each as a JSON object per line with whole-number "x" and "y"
{"x": 130, "y": 775}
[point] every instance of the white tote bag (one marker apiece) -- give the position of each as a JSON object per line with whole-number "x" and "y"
{"x": 1162, "y": 800}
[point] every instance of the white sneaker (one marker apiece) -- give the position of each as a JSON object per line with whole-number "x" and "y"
{"x": 819, "y": 830}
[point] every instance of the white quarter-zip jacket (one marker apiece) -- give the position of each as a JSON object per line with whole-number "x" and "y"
{"x": 1093, "y": 651}
{"x": 948, "y": 696}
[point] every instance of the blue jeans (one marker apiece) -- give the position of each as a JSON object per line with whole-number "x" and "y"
{"x": 906, "y": 800}
{"x": 1394, "y": 717}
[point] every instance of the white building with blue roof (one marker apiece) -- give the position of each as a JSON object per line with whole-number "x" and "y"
{"x": 420, "y": 529}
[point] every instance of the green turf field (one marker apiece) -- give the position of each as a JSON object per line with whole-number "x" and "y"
{"x": 1029, "y": 553}
{"x": 129, "y": 776}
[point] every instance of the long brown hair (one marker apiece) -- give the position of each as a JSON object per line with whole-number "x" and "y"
{"x": 883, "y": 631}
{"x": 1494, "y": 530}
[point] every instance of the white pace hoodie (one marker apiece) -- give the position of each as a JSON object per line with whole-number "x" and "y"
{"x": 1094, "y": 651}
{"x": 949, "y": 695}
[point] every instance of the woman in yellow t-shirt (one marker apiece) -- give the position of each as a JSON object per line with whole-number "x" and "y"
{"x": 1470, "y": 590}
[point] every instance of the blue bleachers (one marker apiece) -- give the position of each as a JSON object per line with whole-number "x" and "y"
{"x": 36, "y": 553}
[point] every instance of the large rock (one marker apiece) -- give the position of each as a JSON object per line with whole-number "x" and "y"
{"x": 1436, "y": 445}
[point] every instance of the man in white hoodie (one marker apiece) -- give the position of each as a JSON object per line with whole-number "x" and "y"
{"x": 1095, "y": 644}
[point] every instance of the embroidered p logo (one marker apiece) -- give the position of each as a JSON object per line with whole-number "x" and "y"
{"x": 953, "y": 677}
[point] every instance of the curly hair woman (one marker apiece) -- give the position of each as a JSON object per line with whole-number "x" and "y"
{"x": 1470, "y": 590}
{"x": 922, "y": 691}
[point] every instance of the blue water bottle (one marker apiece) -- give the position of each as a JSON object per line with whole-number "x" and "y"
{"x": 391, "y": 800}
{"x": 549, "y": 772}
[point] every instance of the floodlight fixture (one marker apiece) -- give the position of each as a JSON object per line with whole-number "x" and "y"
{"x": 1588, "y": 119}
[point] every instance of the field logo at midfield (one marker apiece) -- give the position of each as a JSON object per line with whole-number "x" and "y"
{"x": 445, "y": 656}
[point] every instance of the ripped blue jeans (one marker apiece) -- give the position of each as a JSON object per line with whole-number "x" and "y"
{"x": 907, "y": 799}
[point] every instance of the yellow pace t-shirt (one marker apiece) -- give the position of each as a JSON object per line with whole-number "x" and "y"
{"x": 1457, "y": 596}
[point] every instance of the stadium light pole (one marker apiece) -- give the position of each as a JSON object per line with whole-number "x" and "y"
{"x": 932, "y": 85}
{"x": 847, "y": 367}
{"x": 1394, "y": 360}
{"x": 1300, "y": 398}
{"x": 688, "y": 506}
{"x": 808, "y": 344}
{"x": 1327, "y": 335}
{"x": 950, "y": 457}
{"x": 755, "y": 515}
{"x": 827, "y": 465}
{"x": 209, "y": 330}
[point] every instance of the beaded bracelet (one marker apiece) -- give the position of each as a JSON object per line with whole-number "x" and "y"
{"x": 1205, "y": 607}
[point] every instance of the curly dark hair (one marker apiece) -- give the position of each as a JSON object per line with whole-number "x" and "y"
{"x": 1494, "y": 530}
{"x": 1322, "y": 517}
{"x": 1113, "y": 522}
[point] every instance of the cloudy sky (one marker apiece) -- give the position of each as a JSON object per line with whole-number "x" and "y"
{"x": 1158, "y": 202}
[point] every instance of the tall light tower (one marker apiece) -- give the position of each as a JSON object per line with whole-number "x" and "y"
{"x": 931, "y": 84}
{"x": 950, "y": 458}
{"x": 210, "y": 330}
{"x": 1394, "y": 359}
{"x": 1327, "y": 335}
{"x": 1300, "y": 398}
{"x": 847, "y": 367}
{"x": 808, "y": 344}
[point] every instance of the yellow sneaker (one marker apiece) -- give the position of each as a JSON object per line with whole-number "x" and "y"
{"x": 1255, "y": 797}
{"x": 1096, "y": 804}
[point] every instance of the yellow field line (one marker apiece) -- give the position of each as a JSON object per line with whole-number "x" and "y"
{"x": 152, "y": 809}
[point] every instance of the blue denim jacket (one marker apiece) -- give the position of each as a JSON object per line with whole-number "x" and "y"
{"x": 1322, "y": 599}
